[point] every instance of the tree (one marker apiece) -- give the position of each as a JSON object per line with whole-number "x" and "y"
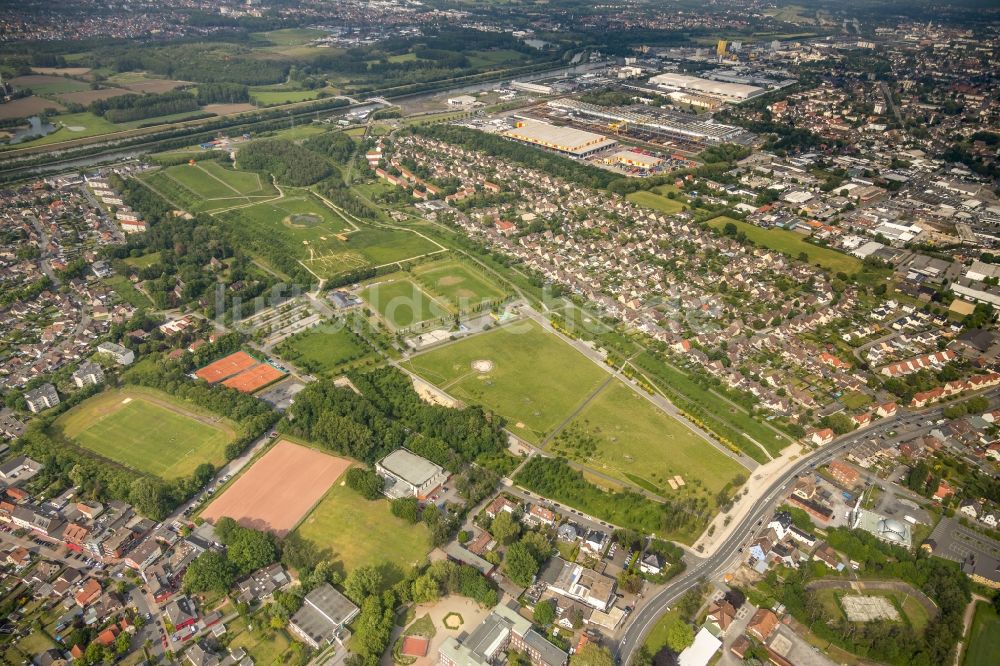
{"x": 680, "y": 635}
{"x": 365, "y": 481}
{"x": 592, "y": 655}
{"x": 519, "y": 565}
{"x": 406, "y": 508}
{"x": 122, "y": 643}
{"x": 425, "y": 589}
{"x": 250, "y": 550}
{"x": 362, "y": 582}
{"x": 210, "y": 571}
{"x": 544, "y": 614}
{"x": 504, "y": 528}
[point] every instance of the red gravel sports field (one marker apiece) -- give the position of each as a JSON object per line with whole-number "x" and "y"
{"x": 280, "y": 488}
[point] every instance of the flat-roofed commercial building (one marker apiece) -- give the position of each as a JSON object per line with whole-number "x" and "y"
{"x": 408, "y": 475}
{"x": 575, "y": 142}
{"x": 736, "y": 92}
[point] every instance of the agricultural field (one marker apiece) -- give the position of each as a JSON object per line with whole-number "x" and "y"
{"x": 148, "y": 431}
{"x": 792, "y": 244}
{"x": 357, "y": 532}
{"x": 324, "y": 349}
{"x": 26, "y": 107}
{"x": 87, "y": 96}
{"x": 457, "y": 282}
{"x": 622, "y": 434}
{"x": 983, "y": 647}
{"x": 402, "y": 303}
{"x": 208, "y": 186}
{"x": 656, "y": 202}
{"x": 530, "y": 376}
{"x": 42, "y": 84}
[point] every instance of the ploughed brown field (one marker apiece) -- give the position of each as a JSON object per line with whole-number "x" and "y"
{"x": 279, "y": 489}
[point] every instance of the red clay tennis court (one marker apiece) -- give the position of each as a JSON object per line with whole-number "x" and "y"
{"x": 279, "y": 489}
{"x": 255, "y": 378}
{"x": 226, "y": 366}
{"x": 414, "y": 646}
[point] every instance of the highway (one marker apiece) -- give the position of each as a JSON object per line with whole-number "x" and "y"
{"x": 645, "y": 617}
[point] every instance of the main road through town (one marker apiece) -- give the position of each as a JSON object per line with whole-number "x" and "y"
{"x": 645, "y": 617}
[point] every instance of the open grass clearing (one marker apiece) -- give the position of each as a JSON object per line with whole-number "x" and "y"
{"x": 324, "y": 349}
{"x": 43, "y": 84}
{"x": 71, "y": 126}
{"x": 360, "y": 532}
{"x": 792, "y": 244}
{"x": 148, "y": 431}
{"x": 457, "y": 282}
{"x": 535, "y": 382}
{"x": 622, "y": 434}
{"x": 983, "y": 645}
{"x": 402, "y": 303}
{"x": 656, "y": 202}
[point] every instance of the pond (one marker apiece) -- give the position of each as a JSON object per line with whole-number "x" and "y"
{"x": 35, "y": 129}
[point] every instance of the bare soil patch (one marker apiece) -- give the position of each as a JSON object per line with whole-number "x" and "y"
{"x": 154, "y": 85}
{"x": 59, "y": 71}
{"x": 27, "y": 106}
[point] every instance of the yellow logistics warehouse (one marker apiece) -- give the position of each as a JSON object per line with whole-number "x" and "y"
{"x": 578, "y": 143}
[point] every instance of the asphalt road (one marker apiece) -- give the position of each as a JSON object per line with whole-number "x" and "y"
{"x": 645, "y": 617}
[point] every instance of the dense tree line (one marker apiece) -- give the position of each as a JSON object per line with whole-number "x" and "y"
{"x": 289, "y": 163}
{"x": 554, "y": 478}
{"x": 247, "y": 550}
{"x": 534, "y": 158}
{"x": 336, "y": 145}
{"x": 126, "y": 108}
{"x": 223, "y": 93}
{"x": 340, "y": 195}
{"x": 389, "y": 414}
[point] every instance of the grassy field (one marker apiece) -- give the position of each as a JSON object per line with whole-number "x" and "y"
{"x": 655, "y": 201}
{"x": 271, "y": 97}
{"x": 208, "y": 186}
{"x": 127, "y": 291}
{"x": 983, "y": 646}
{"x": 536, "y": 381}
{"x": 290, "y": 36}
{"x": 402, "y": 303}
{"x": 324, "y": 349}
{"x": 148, "y": 431}
{"x": 622, "y": 434}
{"x": 320, "y": 245}
{"x": 144, "y": 261}
{"x": 656, "y": 640}
{"x": 457, "y": 282}
{"x": 358, "y": 532}
{"x": 792, "y": 244}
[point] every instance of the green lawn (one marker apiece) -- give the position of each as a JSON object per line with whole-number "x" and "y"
{"x": 983, "y": 645}
{"x": 792, "y": 244}
{"x": 272, "y": 97}
{"x": 359, "y": 532}
{"x": 127, "y": 291}
{"x": 402, "y": 303}
{"x": 622, "y": 434}
{"x": 457, "y": 282}
{"x": 290, "y": 36}
{"x": 149, "y": 431}
{"x": 655, "y": 201}
{"x": 263, "y": 644}
{"x": 656, "y": 640}
{"x": 323, "y": 349}
{"x": 855, "y": 400}
{"x": 207, "y": 185}
{"x": 144, "y": 261}
{"x": 536, "y": 380}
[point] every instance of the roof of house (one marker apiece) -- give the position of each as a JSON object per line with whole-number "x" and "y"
{"x": 323, "y": 611}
